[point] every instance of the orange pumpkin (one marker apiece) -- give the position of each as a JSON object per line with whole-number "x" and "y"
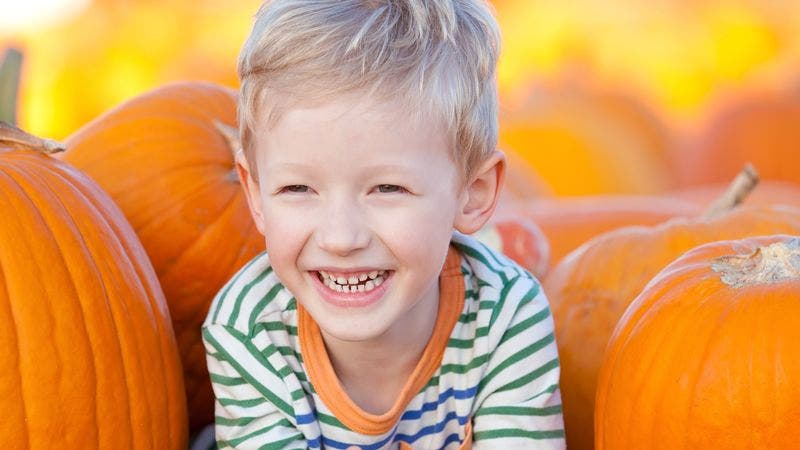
{"x": 591, "y": 288}
{"x": 583, "y": 141}
{"x": 170, "y": 169}
{"x": 568, "y": 222}
{"x": 760, "y": 128}
{"x": 89, "y": 357}
{"x": 706, "y": 356}
{"x": 519, "y": 239}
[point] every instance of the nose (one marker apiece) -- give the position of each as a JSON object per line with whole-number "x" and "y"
{"x": 342, "y": 230}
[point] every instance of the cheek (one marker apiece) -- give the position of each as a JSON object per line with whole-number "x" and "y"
{"x": 415, "y": 233}
{"x": 285, "y": 236}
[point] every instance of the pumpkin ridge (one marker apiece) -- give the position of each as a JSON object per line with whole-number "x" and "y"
{"x": 23, "y": 430}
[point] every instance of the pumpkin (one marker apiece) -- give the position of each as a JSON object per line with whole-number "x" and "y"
{"x": 759, "y": 127}
{"x": 580, "y": 143}
{"x": 89, "y": 357}
{"x": 167, "y": 162}
{"x": 706, "y": 356}
{"x": 568, "y": 222}
{"x": 519, "y": 239}
{"x": 592, "y": 286}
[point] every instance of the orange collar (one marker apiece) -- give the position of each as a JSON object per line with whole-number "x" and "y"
{"x": 324, "y": 379}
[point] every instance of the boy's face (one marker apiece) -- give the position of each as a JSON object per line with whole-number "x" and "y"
{"x": 354, "y": 191}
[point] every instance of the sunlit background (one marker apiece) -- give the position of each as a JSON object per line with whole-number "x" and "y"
{"x": 666, "y": 68}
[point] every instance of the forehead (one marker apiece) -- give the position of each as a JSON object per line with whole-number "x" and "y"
{"x": 354, "y": 125}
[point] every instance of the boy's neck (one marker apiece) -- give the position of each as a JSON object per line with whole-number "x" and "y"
{"x": 374, "y": 373}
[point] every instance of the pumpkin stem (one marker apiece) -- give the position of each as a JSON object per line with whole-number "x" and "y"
{"x": 231, "y": 135}
{"x": 737, "y": 191}
{"x": 14, "y": 138}
{"x": 10, "y": 67}
{"x": 771, "y": 264}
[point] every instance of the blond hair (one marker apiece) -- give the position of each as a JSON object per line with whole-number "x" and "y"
{"x": 437, "y": 56}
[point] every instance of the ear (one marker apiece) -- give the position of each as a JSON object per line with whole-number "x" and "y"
{"x": 252, "y": 191}
{"x": 480, "y": 194}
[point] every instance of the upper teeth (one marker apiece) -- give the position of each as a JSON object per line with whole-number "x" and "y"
{"x": 351, "y": 283}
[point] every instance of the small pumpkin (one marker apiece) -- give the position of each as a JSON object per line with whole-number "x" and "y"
{"x": 706, "y": 356}
{"x": 591, "y": 287}
{"x": 519, "y": 239}
{"x": 166, "y": 158}
{"x": 89, "y": 357}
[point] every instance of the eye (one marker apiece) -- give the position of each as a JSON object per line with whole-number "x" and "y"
{"x": 390, "y": 188}
{"x": 294, "y": 189}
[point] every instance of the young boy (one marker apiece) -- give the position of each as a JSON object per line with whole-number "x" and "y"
{"x": 373, "y": 321}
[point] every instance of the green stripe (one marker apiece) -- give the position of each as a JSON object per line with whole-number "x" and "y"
{"x": 461, "y": 368}
{"x": 517, "y": 433}
{"x": 522, "y": 381}
{"x": 515, "y": 358}
{"x": 279, "y": 326}
{"x": 268, "y": 394}
{"x": 480, "y": 257}
{"x": 498, "y": 306}
{"x": 281, "y": 445}
{"x": 467, "y": 318}
{"x": 281, "y": 423}
{"x": 230, "y": 284}
{"x": 331, "y": 420}
{"x": 460, "y": 343}
{"x": 519, "y": 411}
{"x": 499, "y": 263}
{"x": 227, "y": 381}
{"x": 248, "y": 403}
{"x": 525, "y": 325}
{"x": 262, "y": 304}
{"x": 237, "y": 305}
{"x": 237, "y": 422}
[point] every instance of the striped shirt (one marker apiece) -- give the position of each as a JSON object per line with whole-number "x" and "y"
{"x": 487, "y": 379}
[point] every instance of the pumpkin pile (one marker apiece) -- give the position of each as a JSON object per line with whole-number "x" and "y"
{"x": 674, "y": 325}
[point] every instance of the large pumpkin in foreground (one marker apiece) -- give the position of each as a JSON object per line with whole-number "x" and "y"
{"x": 707, "y": 355}
{"x": 88, "y": 356}
{"x": 591, "y": 288}
{"x": 165, "y": 158}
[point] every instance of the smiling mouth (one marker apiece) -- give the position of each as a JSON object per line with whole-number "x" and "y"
{"x": 361, "y": 282}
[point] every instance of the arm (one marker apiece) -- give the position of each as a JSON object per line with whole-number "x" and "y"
{"x": 253, "y": 403}
{"x": 519, "y": 400}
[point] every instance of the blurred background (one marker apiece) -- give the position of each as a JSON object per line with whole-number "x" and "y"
{"x": 620, "y": 97}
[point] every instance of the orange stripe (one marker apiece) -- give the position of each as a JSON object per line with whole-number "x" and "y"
{"x": 324, "y": 379}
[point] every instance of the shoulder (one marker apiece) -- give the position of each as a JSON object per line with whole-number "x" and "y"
{"x": 499, "y": 291}
{"x": 251, "y": 295}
